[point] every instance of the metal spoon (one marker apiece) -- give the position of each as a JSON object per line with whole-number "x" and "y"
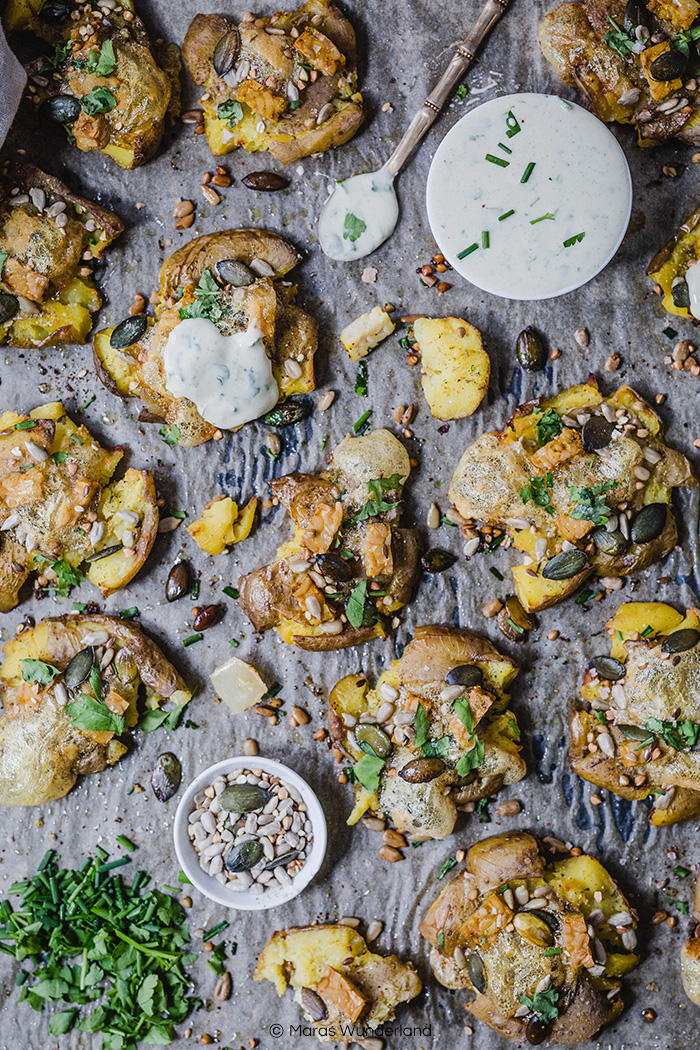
{"x": 362, "y": 211}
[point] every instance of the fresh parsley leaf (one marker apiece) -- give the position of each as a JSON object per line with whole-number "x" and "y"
{"x": 618, "y": 41}
{"x": 590, "y": 503}
{"x": 62, "y": 1022}
{"x": 355, "y": 606}
{"x": 537, "y": 492}
{"x": 93, "y": 716}
{"x": 421, "y": 726}
{"x": 67, "y": 576}
{"x": 377, "y": 504}
{"x": 104, "y": 62}
{"x": 544, "y": 1004}
{"x": 461, "y": 91}
{"x": 99, "y": 100}
{"x": 472, "y": 759}
{"x": 231, "y": 111}
{"x": 684, "y": 39}
{"x": 482, "y": 809}
{"x": 354, "y": 227}
{"x": 59, "y": 457}
{"x": 361, "y": 381}
{"x": 367, "y": 772}
{"x": 38, "y": 671}
{"x": 549, "y": 426}
{"x": 438, "y": 748}
{"x": 206, "y": 302}
{"x": 678, "y": 735}
{"x": 294, "y": 104}
{"x": 464, "y": 713}
{"x": 170, "y": 433}
{"x": 60, "y": 54}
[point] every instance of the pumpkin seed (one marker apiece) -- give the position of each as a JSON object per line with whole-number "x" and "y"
{"x": 233, "y": 272}
{"x": 285, "y": 858}
{"x": 529, "y": 351}
{"x": 536, "y": 1031}
{"x": 565, "y": 565}
{"x": 79, "y": 668}
{"x": 609, "y": 668}
{"x": 533, "y": 929}
{"x": 166, "y": 776}
{"x": 128, "y": 332}
{"x": 104, "y": 553}
{"x": 313, "y": 1004}
{"x": 245, "y": 855}
{"x": 375, "y": 738}
{"x": 634, "y": 732}
{"x": 513, "y": 621}
{"x": 437, "y": 560}
{"x": 422, "y": 770}
{"x": 226, "y": 52}
{"x": 546, "y": 916}
{"x": 243, "y": 798}
{"x": 669, "y": 66}
{"x": 611, "y": 543}
{"x": 288, "y": 413}
{"x": 596, "y": 433}
{"x": 649, "y": 523}
{"x": 335, "y": 568}
{"x": 635, "y": 15}
{"x": 9, "y": 305}
{"x": 64, "y": 109}
{"x": 475, "y": 969}
{"x": 56, "y": 10}
{"x": 681, "y": 641}
{"x": 467, "y": 675}
{"x": 265, "y": 181}
{"x": 179, "y": 581}
{"x": 680, "y": 293}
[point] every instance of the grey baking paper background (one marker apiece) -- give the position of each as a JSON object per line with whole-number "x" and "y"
{"x": 404, "y": 46}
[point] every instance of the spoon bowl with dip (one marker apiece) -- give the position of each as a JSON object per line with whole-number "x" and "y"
{"x": 362, "y": 211}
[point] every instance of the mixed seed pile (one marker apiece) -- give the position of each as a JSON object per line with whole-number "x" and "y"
{"x": 251, "y": 831}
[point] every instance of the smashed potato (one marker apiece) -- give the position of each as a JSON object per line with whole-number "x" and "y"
{"x": 320, "y": 591}
{"x": 67, "y": 702}
{"x": 434, "y": 746}
{"x": 48, "y": 237}
{"x": 195, "y": 281}
{"x": 221, "y": 524}
{"x": 646, "y": 695}
{"x": 580, "y": 483}
{"x": 669, "y": 267}
{"x": 366, "y": 332}
{"x": 593, "y": 46}
{"x": 539, "y": 973}
{"x": 104, "y": 80}
{"x": 337, "y": 980}
{"x": 286, "y": 84}
{"x": 60, "y": 509}
{"x": 455, "y": 368}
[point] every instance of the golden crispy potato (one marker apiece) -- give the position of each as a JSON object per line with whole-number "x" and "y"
{"x": 291, "y": 91}
{"x": 221, "y": 524}
{"x": 60, "y": 509}
{"x": 455, "y": 368}
{"x": 188, "y": 279}
{"x": 452, "y": 751}
{"x": 44, "y": 300}
{"x": 345, "y": 526}
{"x": 365, "y": 332}
{"x": 553, "y": 486}
{"x": 338, "y": 981}
{"x": 52, "y": 730}
{"x": 671, "y": 263}
{"x": 648, "y": 712}
{"x": 620, "y": 87}
{"x": 115, "y": 91}
{"x": 485, "y": 938}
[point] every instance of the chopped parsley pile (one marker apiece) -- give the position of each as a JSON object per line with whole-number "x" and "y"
{"x": 107, "y": 955}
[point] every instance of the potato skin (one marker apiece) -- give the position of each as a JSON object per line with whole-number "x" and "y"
{"x": 690, "y": 969}
{"x": 512, "y": 855}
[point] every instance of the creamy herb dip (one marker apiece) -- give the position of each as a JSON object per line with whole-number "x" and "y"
{"x": 529, "y": 196}
{"x": 358, "y": 216}
{"x": 228, "y": 377}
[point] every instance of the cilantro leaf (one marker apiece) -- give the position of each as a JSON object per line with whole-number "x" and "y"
{"x": 438, "y": 748}
{"x": 678, "y": 735}
{"x": 421, "y": 726}
{"x": 377, "y": 504}
{"x": 93, "y": 716}
{"x": 461, "y": 91}
{"x": 472, "y": 759}
{"x": 38, "y": 671}
{"x": 99, "y": 100}
{"x": 355, "y": 605}
{"x": 170, "y": 433}
{"x": 67, "y": 576}
{"x": 549, "y": 426}
{"x": 464, "y": 713}
{"x": 354, "y": 227}
{"x": 104, "y": 62}
{"x": 367, "y": 772}
{"x": 590, "y": 502}
{"x": 231, "y": 111}
{"x": 618, "y": 41}
{"x": 206, "y": 302}
{"x": 62, "y": 1022}
{"x": 544, "y": 1004}
{"x": 537, "y": 492}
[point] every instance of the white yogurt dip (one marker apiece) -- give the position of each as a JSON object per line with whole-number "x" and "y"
{"x": 358, "y": 216}
{"x": 228, "y": 377}
{"x": 529, "y": 196}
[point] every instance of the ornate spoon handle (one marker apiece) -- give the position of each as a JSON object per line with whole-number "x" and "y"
{"x": 459, "y": 64}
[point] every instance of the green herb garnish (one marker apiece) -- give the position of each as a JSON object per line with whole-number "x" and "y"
{"x": 367, "y": 772}
{"x": 206, "y": 302}
{"x": 511, "y": 124}
{"x": 678, "y": 735}
{"x": 447, "y": 866}
{"x": 421, "y": 726}
{"x": 497, "y": 160}
{"x": 231, "y": 592}
{"x": 59, "y": 457}
{"x": 485, "y": 239}
{"x": 590, "y": 502}
{"x": 39, "y": 672}
{"x": 537, "y": 492}
{"x": 669, "y": 332}
{"x": 353, "y": 228}
{"x": 377, "y": 504}
{"x": 130, "y": 613}
{"x": 94, "y": 716}
{"x": 467, "y": 251}
{"x": 360, "y": 425}
{"x": 3, "y": 258}
{"x": 362, "y": 379}
{"x": 528, "y": 171}
{"x": 573, "y": 240}
{"x": 618, "y": 41}
{"x": 543, "y": 1004}
{"x": 192, "y": 638}
{"x": 549, "y": 215}
{"x": 549, "y": 426}
{"x": 505, "y": 148}
{"x": 231, "y": 111}
{"x": 67, "y": 576}
{"x": 355, "y": 606}
{"x": 102, "y": 62}
{"x": 461, "y": 92}
{"x": 99, "y": 100}
{"x": 506, "y": 215}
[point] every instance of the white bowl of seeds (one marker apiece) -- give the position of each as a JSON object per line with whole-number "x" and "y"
{"x": 250, "y": 833}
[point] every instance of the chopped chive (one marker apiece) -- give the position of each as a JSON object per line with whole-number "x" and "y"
{"x": 506, "y": 215}
{"x": 78, "y": 606}
{"x": 573, "y": 240}
{"x": 114, "y": 864}
{"x": 497, "y": 160}
{"x": 46, "y": 860}
{"x": 323, "y": 443}
{"x": 552, "y": 951}
{"x": 129, "y": 614}
{"x": 528, "y": 171}
{"x": 504, "y": 148}
{"x": 358, "y": 426}
{"x": 681, "y": 872}
{"x": 208, "y": 935}
{"x": 485, "y": 239}
{"x": 512, "y": 124}
{"x": 541, "y": 218}
{"x": 647, "y": 631}
{"x": 126, "y": 843}
{"x": 441, "y": 939}
{"x": 467, "y": 251}
{"x": 669, "y": 332}
{"x": 233, "y": 642}
{"x": 191, "y": 639}
{"x": 86, "y": 404}
{"x": 194, "y": 593}
{"x": 231, "y": 592}
{"x": 516, "y": 626}
{"x": 496, "y": 573}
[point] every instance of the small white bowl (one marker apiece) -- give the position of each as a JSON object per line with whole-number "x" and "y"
{"x": 207, "y": 884}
